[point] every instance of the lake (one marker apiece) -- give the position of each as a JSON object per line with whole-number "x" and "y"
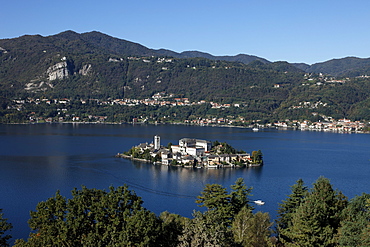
{"x": 37, "y": 160}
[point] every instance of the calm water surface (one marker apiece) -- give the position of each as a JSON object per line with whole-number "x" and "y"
{"x": 37, "y": 160}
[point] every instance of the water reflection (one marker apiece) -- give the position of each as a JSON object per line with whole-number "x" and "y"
{"x": 194, "y": 179}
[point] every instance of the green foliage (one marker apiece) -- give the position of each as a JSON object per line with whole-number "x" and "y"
{"x": 288, "y": 207}
{"x": 4, "y": 227}
{"x": 316, "y": 220}
{"x": 206, "y": 229}
{"x": 354, "y": 230}
{"x": 173, "y": 227}
{"x": 215, "y": 198}
{"x": 240, "y": 196}
{"x": 222, "y": 204}
{"x": 94, "y": 218}
{"x": 224, "y": 148}
{"x": 257, "y": 157}
{"x": 135, "y": 152}
{"x": 251, "y": 230}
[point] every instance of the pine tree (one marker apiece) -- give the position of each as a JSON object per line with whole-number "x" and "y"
{"x": 208, "y": 228}
{"x": 288, "y": 207}
{"x": 240, "y": 196}
{"x": 215, "y": 198}
{"x": 316, "y": 220}
{"x": 4, "y": 226}
{"x": 355, "y": 224}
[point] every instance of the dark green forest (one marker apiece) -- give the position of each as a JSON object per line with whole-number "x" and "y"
{"x": 316, "y": 216}
{"x": 94, "y": 66}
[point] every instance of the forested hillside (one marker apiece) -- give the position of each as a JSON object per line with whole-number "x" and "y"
{"x": 349, "y": 67}
{"x": 93, "y": 65}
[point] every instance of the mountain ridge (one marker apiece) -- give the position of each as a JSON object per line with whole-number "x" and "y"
{"x": 352, "y": 66}
{"x": 97, "y": 66}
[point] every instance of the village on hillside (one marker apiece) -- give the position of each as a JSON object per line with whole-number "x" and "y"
{"x": 64, "y": 114}
{"x": 193, "y": 153}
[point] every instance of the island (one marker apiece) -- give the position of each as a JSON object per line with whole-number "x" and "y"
{"x": 194, "y": 153}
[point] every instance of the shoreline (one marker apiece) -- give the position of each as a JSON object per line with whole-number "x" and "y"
{"x": 203, "y": 125}
{"x": 121, "y": 155}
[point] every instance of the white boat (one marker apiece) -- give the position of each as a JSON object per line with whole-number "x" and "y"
{"x": 259, "y": 202}
{"x": 255, "y": 129}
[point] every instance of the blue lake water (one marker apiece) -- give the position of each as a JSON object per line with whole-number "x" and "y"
{"x": 38, "y": 160}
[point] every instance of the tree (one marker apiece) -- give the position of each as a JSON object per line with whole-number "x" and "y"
{"x": 173, "y": 227}
{"x": 215, "y": 198}
{"x": 288, "y": 207}
{"x": 355, "y": 225}
{"x": 4, "y": 226}
{"x": 257, "y": 157}
{"x": 206, "y": 229}
{"x": 316, "y": 220}
{"x": 94, "y": 218}
{"x": 212, "y": 226}
{"x": 240, "y": 196}
{"x": 241, "y": 226}
{"x": 251, "y": 230}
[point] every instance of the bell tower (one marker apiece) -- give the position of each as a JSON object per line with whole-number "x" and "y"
{"x": 157, "y": 142}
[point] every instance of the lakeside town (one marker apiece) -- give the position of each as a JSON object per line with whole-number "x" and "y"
{"x": 194, "y": 153}
{"x": 63, "y": 109}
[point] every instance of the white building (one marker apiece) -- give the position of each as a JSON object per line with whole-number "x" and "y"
{"x": 194, "y": 147}
{"x": 157, "y": 142}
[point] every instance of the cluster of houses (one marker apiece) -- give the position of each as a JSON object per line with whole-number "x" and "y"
{"x": 194, "y": 153}
{"x": 63, "y": 114}
{"x": 328, "y": 124}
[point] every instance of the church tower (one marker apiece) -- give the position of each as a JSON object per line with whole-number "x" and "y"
{"x": 157, "y": 142}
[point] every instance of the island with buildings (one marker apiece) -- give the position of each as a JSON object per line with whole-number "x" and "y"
{"x": 192, "y": 152}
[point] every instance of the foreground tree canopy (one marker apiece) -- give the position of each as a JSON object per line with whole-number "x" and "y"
{"x": 4, "y": 226}
{"x": 320, "y": 216}
{"x": 93, "y": 218}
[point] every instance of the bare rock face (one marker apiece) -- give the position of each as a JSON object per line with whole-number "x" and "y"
{"x": 38, "y": 86}
{"x": 57, "y": 71}
{"x": 2, "y": 50}
{"x": 86, "y": 69}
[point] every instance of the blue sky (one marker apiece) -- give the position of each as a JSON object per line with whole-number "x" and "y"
{"x": 278, "y": 30}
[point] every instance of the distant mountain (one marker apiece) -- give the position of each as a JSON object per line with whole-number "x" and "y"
{"x": 349, "y": 67}
{"x": 116, "y": 46}
{"x": 302, "y": 66}
{"x": 242, "y": 58}
{"x": 127, "y": 48}
{"x": 94, "y": 65}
